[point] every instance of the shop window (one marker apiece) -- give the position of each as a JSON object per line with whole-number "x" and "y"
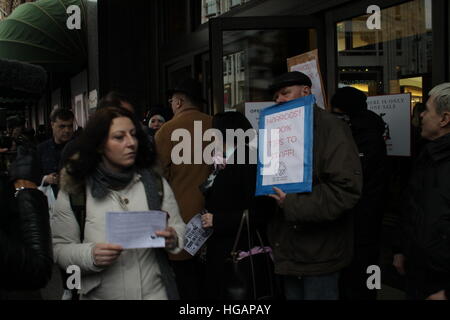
{"x": 395, "y": 59}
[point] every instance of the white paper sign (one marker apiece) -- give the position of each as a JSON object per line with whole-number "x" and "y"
{"x": 93, "y": 97}
{"x": 195, "y": 235}
{"x": 252, "y": 110}
{"x": 395, "y": 110}
{"x": 79, "y": 110}
{"x": 290, "y": 124}
{"x": 310, "y": 69}
{"x": 136, "y": 229}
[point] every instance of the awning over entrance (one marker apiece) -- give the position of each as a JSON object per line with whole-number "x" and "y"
{"x": 37, "y": 33}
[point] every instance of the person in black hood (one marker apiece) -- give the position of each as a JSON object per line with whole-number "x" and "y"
{"x": 367, "y": 128}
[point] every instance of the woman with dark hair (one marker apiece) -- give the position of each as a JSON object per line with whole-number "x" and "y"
{"x": 113, "y": 168}
{"x": 229, "y": 191}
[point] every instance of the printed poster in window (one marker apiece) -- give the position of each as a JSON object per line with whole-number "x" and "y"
{"x": 395, "y": 110}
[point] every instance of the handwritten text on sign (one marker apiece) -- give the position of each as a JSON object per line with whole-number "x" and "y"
{"x": 290, "y": 144}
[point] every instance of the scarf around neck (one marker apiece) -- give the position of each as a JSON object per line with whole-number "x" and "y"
{"x": 104, "y": 180}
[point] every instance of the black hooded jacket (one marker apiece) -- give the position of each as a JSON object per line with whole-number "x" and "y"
{"x": 424, "y": 236}
{"x": 367, "y": 130}
{"x": 25, "y": 243}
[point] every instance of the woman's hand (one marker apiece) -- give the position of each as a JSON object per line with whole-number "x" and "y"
{"x": 105, "y": 254}
{"x": 171, "y": 237}
{"x": 207, "y": 220}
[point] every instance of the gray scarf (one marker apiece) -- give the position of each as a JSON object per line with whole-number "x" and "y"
{"x": 103, "y": 180}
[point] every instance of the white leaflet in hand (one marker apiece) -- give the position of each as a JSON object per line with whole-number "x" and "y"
{"x": 136, "y": 229}
{"x": 195, "y": 235}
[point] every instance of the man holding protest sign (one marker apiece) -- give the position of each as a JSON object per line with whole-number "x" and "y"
{"x": 311, "y": 235}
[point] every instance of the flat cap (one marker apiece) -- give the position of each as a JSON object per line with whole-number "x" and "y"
{"x": 290, "y": 79}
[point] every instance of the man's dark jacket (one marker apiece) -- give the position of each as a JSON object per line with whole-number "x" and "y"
{"x": 313, "y": 234}
{"x": 425, "y": 226}
{"x": 49, "y": 155}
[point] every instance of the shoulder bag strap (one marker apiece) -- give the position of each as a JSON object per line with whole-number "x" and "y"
{"x": 238, "y": 236}
{"x": 268, "y": 262}
{"x": 250, "y": 246}
{"x": 245, "y": 218}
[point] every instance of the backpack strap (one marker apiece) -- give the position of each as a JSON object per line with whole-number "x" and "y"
{"x": 159, "y": 186}
{"x": 153, "y": 186}
{"x": 78, "y": 205}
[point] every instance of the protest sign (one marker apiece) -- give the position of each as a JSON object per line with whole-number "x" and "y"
{"x": 285, "y": 147}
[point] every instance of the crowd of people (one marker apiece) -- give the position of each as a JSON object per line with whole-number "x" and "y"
{"x": 321, "y": 242}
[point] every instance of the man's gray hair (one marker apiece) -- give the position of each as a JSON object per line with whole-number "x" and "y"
{"x": 441, "y": 95}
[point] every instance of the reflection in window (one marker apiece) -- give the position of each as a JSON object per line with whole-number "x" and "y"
{"x": 214, "y": 8}
{"x": 252, "y": 58}
{"x": 395, "y": 59}
{"x": 233, "y": 79}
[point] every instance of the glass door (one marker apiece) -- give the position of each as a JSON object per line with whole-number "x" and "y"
{"x": 247, "y": 53}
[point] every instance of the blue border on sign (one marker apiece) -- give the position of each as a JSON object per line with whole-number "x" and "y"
{"x": 308, "y": 103}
